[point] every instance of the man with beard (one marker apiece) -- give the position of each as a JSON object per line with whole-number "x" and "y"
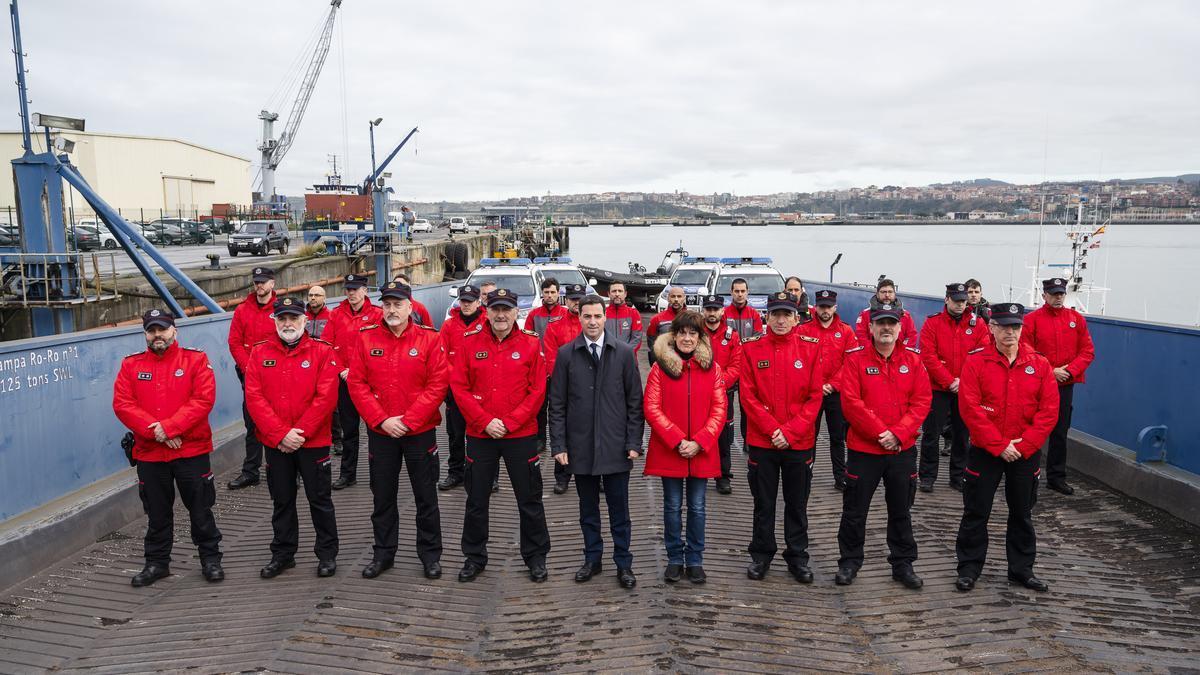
{"x": 251, "y": 324}
{"x": 727, "y": 353}
{"x": 676, "y": 303}
{"x": 836, "y": 338}
{"x": 561, "y": 331}
{"x": 885, "y": 294}
{"x": 354, "y": 314}
{"x": 164, "y": 395}
{"x": 976, "y": 302}
{"x": 291, "y": 390}
{"x": 398, "y": 378}
{"x": 795, "y": 287}
{"x": 622, "y": 322}
{"x": 739, "y": 314}
{"x": 319, "y": 316}
{"x": 463, "y": 319}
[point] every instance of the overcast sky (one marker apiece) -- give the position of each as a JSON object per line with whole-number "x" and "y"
{"x": 522, "y": 98}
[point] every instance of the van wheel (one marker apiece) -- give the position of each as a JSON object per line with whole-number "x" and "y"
{"x": 110, "y": 244}
{"x": 284, "y": 248}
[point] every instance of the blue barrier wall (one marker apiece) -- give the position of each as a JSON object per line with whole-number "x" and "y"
{"x": 58, "y": 432}
{"x": 1144, "y": 375}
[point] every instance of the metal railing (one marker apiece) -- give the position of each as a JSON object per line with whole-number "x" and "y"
{"x": 57, "y": 279}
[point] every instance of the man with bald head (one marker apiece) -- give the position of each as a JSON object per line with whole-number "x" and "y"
{"x": 676, "y": 303}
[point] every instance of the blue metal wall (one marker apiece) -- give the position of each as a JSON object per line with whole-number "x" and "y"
{"x": 58, "y": 432}
{"x": 1144, "y": 375}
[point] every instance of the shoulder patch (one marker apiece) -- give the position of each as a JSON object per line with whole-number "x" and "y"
{"x": 421, "y": 325}
{"x": 374, "y": 325}
{"x": 527, "y": 332}
{"x": 259, "y": 343}
{"x": 933, "y": 315}
{"x": 809, "y": 338}
{"x": 855, "y": 349}
{"x": 913, "y": 350}
{"x": 319, "y": 340}
{"x": 195, "y": 349}
{"x": 976, "y": 350}
{"x": 473, "y": 331}
{"x": 752, "y": 338}
{"x": 130, "y": 356}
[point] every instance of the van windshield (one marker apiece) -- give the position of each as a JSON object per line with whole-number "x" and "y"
{"x": 759, "y": 284}
{"x": 521, "y": 284}
{"x": 691, "y": 277}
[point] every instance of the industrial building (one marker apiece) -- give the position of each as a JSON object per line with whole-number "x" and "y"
{"x": 144, "y": 176}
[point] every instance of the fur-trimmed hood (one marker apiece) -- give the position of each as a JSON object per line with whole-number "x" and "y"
{"x": 672, "y": 363}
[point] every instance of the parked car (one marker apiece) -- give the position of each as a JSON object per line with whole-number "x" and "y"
{"x": 217, "y": 224}
{"x": 459, "y": 225}
{"x": 162, "y": 233}
{"x": 259, "y": 237}
{"x": 421, "y": 225}
{"x": 196, "y": 232}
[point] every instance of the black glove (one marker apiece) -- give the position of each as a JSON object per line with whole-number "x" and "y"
{"x": 127, "y": 446}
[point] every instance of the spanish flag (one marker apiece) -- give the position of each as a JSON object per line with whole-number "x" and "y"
{"x": 1099, "y": 230}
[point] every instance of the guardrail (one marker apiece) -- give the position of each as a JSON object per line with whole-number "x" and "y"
{"x": 57, "y": 279}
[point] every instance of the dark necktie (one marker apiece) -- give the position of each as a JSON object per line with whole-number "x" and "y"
{"x": 595, "y": 353}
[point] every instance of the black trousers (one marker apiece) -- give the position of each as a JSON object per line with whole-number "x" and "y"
{"x": 1056, "y": 451}
{"x": 765, "y": 468}
{"x": 254, "y": 447}
{"x": 725, "y": 440}
{"x": 524, "y": 466}
{"x": 616, "y": 494}
{"x": 835, "y": 426}
{"x": 456, "y": 431}
{"x": 943, "y": 407}
{"x": 864, "y": 472}
{"x": 385, "y": 457}
{"x": 314, "y": 468}
{"x": 982, "y": 476}
{"x": 348, "y": 416}
{"x": 156, "y": 487}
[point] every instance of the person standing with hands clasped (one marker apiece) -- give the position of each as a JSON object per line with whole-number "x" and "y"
{"x": 685, "y": 407}
{"x": 596, "y": 433}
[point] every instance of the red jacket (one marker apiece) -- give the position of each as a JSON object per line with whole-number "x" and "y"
{"x": 315, "y": 327}
{"x": 454, "y": 330}
{"x": 344, "y": 324}
{"x": 780, "y": 385}
{"x": 945, "y": 343}
{"x": 252, "y": 323}
{"x": 559, "y": 332}
{"x": 1001, "y": 402}
{"x": 539, "y": 317}
{"x": 660, "y": 322}
{"x": 420, "y": 313}
{"x": 727, "y": 352}
{"x": 499, "y": 379}
{"x": 1061, "y": 335}
{"x": 292, "y": 389}
{"x": 623, "y": 323}
{"x": 908, "y": 330}
{"x": 836, "y": 340}
{"x": 176, "y": 389}
{"x": 405, "y": 376}
{"x": 684, "y": 400}
{"x": 746, "y": 321}
{"x": 881, "y": 395}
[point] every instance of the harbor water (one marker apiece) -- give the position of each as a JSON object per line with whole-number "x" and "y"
{"x": 1148, "y": 267}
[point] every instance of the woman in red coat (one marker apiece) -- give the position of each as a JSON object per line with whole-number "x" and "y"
{"x": 685, "y": 406}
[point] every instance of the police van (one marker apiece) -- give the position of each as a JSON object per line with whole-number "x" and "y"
{"x": 762, "y": 279}
{"x": 562, "y": 270}
{"x": 697, "y": 275}
{"x": 515, "y": 274}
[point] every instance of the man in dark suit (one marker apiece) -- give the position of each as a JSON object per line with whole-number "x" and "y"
{"x": 595, "y": 414}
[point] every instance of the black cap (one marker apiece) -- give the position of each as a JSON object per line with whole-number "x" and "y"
{"x": 263, "y": 273}
{"x": 354, "y": 281}
{"x": 158, "y": 317}
{"x": 1055, "y": 285}
{"x": 956, "y": 291}
{"x": 826, "y": 298}
{"x": 1008, "y": 314}
{"x": 288, "y": 306}
{"x": 395, "y": 290}
{"x": 781, "y": 300}
{"x": 502, "y": 296}
{"x": 886, "y": 312}
{"x": 713, "y": 301}
{"x": 575, "y": 291}
{"x": 468, "y": 292}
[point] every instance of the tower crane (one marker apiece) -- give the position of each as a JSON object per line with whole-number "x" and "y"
{"x": 273, "y": 150}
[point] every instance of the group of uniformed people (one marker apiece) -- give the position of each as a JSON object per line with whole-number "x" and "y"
{"x": 997, "y": 380}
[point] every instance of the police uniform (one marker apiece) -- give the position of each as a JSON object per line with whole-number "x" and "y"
{"x": 251, "y": 324}
{"x": 561, "y": 330}
{"x": 177, "y": 390}
{"x": 403, "y": 376}
{"x": 659, "y": 323}
{"x": 836, "y": 339}
{"x": 1001, "y": 401}
{"x": 295, "y": 387}
{"x": 881, "y": 394}
{"x": 1061, "y": 335}
{"x": 345, "y": 325}
{"x": 945, "y": 342}
{"x": 504, "y": 379}
{"x": 727, "y": 353}
{"x": 453, "y": 330}
{"x": 780, "y": 387}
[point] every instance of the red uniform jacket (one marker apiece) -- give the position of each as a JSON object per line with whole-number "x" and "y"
{"x": 945, "y": 343}
{"x": 454, "y": 330}
{"x": 746, "y": 321}
{"x": 624, "y": 324}
{"x": 559, "y": 332}
{"x": 908, "y": 329}
{"x": 727, "y": 352}
{"x": 836, "y": 340}
{"x": 780, "y": 385}
{"x": 1000, "y": 402}
{"x": 344, "y": 324}
{"x": 405, "y": 376}
{"x": 539, "y": 317}
{"x": 660, "y": 322}
{"x": 881, "y": 395}
{"x": 684, "y": 400}
{"x": 292, "y": 389}
{"x": 315, "y": 326}
{"x": 252, "y": 323}
{"x": 1061, "y": 335}
{"x": 176, "y": 389}
{"x": 499, "y": 379}
{"x": 420, "y": 313}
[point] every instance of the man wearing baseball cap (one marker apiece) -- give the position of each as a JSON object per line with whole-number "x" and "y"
{"x": 251, "y": 324}
{"x": 727, "y": 353}
{"x": 464, "y": 318}
{"x": 164, "y": 395}
{"x": 1061, "y": 335}
{"x": 1008, "y": 398}
{"x": 837, "y": 337}
{"x": 348, "y": 318}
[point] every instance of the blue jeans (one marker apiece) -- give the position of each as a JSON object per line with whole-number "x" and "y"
{"x": 691, "y": 553}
